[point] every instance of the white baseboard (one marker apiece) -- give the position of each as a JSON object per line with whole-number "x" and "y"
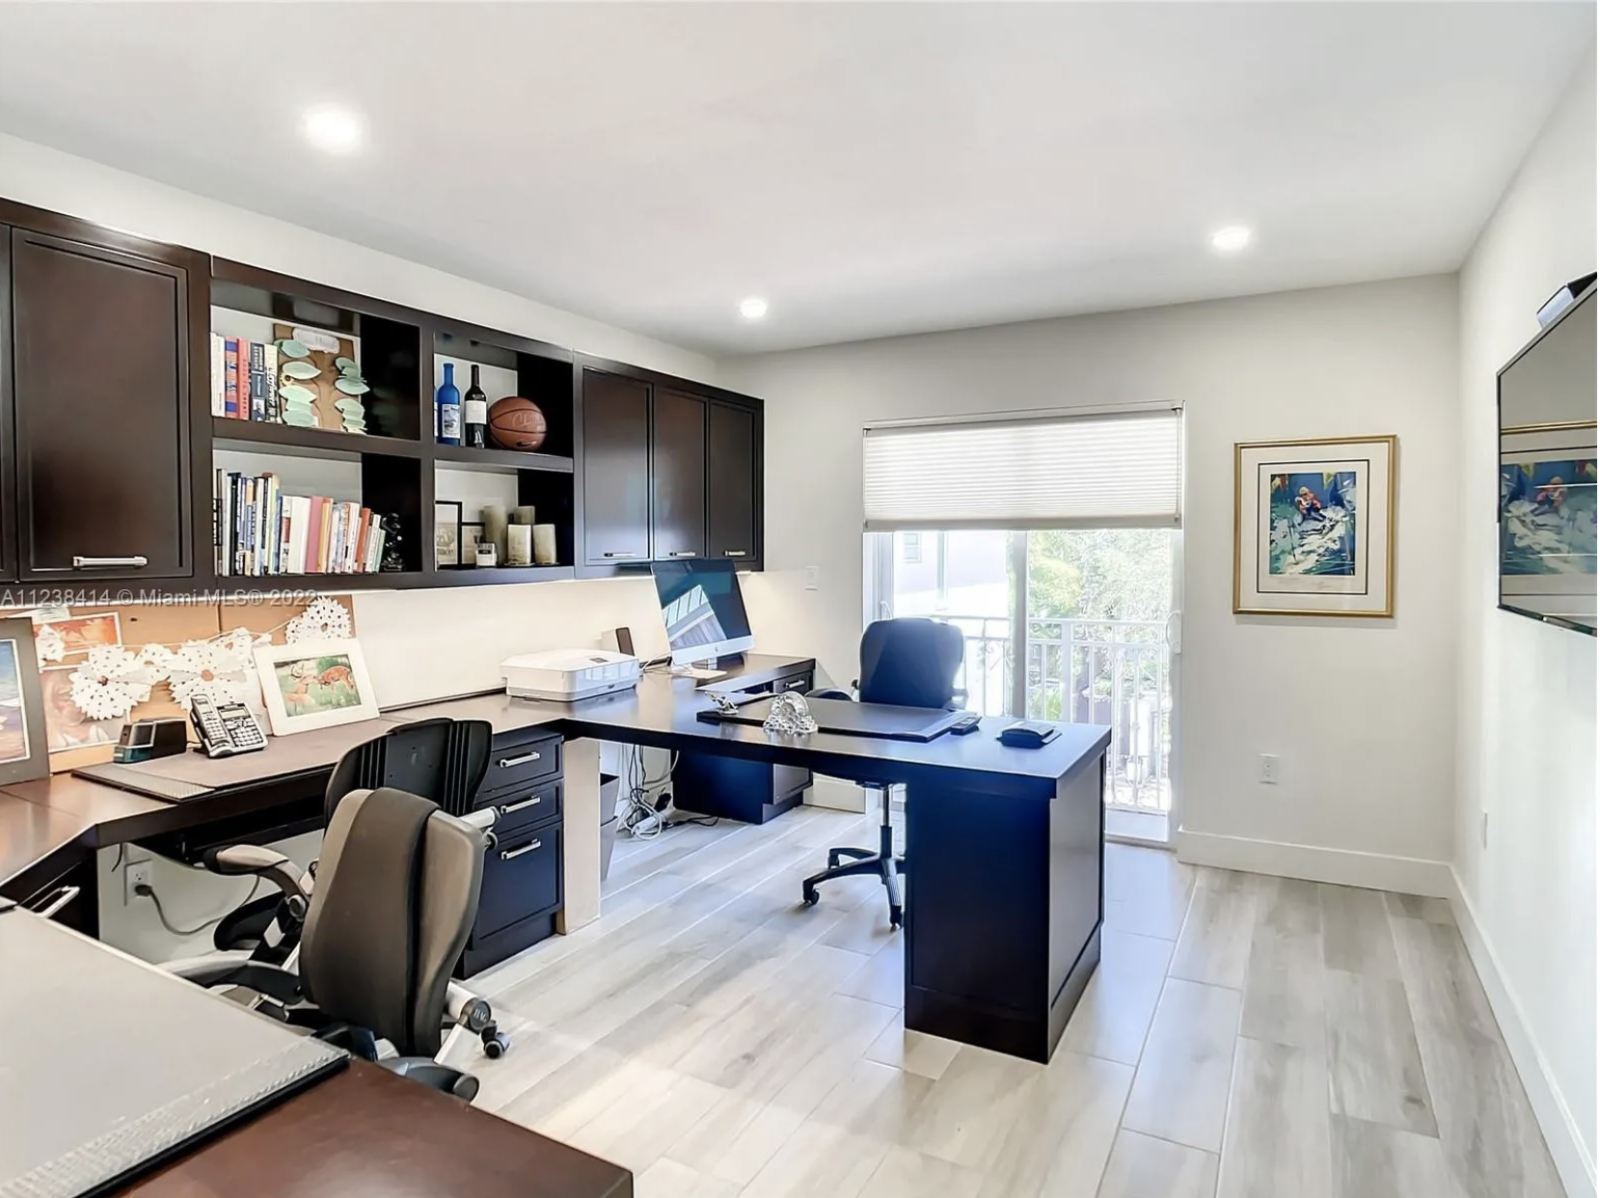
{"x": 837, "y": 794}
{"x": 1373, "y": 871}
{"x": 1561, "y": 1132}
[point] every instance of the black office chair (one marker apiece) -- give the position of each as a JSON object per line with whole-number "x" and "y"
{"x": 904, "y": 663}
{"x": 395, "y": 898}
{"x": 443, "y": 761}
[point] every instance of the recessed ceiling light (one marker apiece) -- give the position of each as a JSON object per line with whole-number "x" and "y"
{"x": 753, "y": 308}
{"x": 336, "y": 130}
{"x": 1231, "y": 239}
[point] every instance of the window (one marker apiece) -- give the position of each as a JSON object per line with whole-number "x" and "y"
{"x": 911, "y": 548}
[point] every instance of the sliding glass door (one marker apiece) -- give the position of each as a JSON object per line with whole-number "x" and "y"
{"x": 1088, "y": 613}
{"x": 1051, "y": 540}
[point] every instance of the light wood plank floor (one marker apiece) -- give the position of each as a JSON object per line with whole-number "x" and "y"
{"x": 1245, "y": 1037}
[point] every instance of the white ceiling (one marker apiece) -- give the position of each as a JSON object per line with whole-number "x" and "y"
{"x": 871, "y": 170}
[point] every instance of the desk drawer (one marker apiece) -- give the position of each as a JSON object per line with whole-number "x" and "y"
{"x": 520, "y": 878}
{"x": 518, "y": 763}
{"x": 524, "y": 807}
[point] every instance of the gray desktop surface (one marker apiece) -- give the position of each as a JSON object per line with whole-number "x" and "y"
{"x": 191, "y": 775}
{"x": 879, "y": 720}
{"x": 107, "y": 1065}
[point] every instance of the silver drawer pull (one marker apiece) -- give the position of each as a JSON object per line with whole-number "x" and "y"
{"x": 99, "y": 563}
{"x": 513, "y": 808}
{"x": 527, "y": 848}
{"x": 735, "y": 553}
{"x": 62, "y": 897}
{"x": 507, "y": 762}
{"x": 619, "y": 555}
{"x": 684, "y": 553}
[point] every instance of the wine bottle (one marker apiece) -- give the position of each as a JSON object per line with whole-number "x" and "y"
{"x": 475, "y": 414}
{"x": 447, "y": 409}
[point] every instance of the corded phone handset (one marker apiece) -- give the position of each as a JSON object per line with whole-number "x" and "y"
{"x": 226, "y": 730}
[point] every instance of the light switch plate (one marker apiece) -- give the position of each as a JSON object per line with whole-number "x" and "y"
{"x": 811, "y": 577}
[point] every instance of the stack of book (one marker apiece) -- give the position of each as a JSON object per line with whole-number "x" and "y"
{"x": 261, "y": 531}
{"x": 244, "y": 379}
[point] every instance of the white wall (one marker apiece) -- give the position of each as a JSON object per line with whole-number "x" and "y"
{"x": 1527, "y": 691}
{"x": 1360, "y": 711}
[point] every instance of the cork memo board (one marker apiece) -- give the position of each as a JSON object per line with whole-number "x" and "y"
{"x": 142, "y": 624}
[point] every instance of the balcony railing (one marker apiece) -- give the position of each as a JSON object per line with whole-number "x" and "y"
{"x": 1114, "y": 672}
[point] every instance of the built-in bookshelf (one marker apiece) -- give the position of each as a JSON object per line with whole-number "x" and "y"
{"x": 393, "y": 468}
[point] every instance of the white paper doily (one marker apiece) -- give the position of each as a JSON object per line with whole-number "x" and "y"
{"x": 107, "y": 686}
{"x": 325, "y": 620}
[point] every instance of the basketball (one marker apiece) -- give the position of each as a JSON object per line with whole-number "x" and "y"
{"x": 516, "y": 423}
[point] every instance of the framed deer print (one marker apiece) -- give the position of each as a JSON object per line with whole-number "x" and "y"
{"x": 315, "y": 684}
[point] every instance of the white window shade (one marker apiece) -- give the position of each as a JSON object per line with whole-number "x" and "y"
{"x": 1120, "y": 470}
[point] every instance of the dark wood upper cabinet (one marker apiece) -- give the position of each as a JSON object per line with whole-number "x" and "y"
{"x": 100, "y": 390}
{"x": 8, "y": 522}
{"x": 616, "y": 469}
{"x": 678, "y": 475}
{"x": 733, "y": 488}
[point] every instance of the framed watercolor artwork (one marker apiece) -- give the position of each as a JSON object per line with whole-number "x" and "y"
{"x": 1314, "y": 527}
{"x": 314, "y": 684}
{"x": 24, "y": 752}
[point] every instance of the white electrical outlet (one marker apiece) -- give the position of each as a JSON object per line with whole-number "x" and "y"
{"x": 811, "y": 577}
{"x": 1271, "y": 769}
{"x": 134, "y": 875}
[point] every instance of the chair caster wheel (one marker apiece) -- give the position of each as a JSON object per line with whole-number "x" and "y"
{"x": 833, "y": 858}
{"x": 495, "y": 1044}
{"x": 809, "y": 898}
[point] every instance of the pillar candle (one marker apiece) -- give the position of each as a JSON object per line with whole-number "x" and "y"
{"x": 544, "y": 544}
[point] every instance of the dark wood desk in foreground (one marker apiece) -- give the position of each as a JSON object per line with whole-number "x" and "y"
{"x": 1004, "y": 880}
{"x": 366, "y": 1131}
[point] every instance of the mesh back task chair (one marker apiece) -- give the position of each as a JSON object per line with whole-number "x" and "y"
{"x": 443, "y": 761}
{"x": 904, "y": 663}
{"x": 395, "y": 899}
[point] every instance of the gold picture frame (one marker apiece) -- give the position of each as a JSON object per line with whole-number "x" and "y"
{"x": 1314, "y": 526}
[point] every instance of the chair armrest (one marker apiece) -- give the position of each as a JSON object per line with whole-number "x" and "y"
{"x": 830, "y": 692}
{"x": 434, "y": 1075}
{"x": 244, "y": 860}
{"x": 237, "y": 969}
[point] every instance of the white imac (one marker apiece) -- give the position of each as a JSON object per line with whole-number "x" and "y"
{"x": 704, "y": 612}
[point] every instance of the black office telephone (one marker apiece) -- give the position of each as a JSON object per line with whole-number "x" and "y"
{"x": 227, "y": 730}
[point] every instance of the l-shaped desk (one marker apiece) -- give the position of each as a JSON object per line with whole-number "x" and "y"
{"x": 1004, "y": 845}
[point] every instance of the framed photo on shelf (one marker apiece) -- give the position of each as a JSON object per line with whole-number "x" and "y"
{"x": 471, "y": 534}
{"x": 446, "y": 533}
{"x": 24, "y": 748}
{"x": 315, "y": 684}
{"x": 1314, "y": 527}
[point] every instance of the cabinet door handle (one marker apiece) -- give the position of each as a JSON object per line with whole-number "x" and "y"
{"x": 507, "y": 762}
{"x": 684, "y": 553}
{"x": 59, "y": 899}
{"x": 735, "y": 553}
{"x": 619, "y": 555}
{"x": 513, "y": 808}
{"x": 99, "y": 563}
{"x": 508, "y": 854}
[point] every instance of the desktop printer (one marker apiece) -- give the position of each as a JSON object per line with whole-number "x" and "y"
{"x": 566, "y": 675}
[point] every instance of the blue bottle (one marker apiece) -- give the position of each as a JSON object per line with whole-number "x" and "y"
{"x": 447, "y": 409}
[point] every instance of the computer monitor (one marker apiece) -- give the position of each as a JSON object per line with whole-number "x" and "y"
{"x": 702, "y": 609}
